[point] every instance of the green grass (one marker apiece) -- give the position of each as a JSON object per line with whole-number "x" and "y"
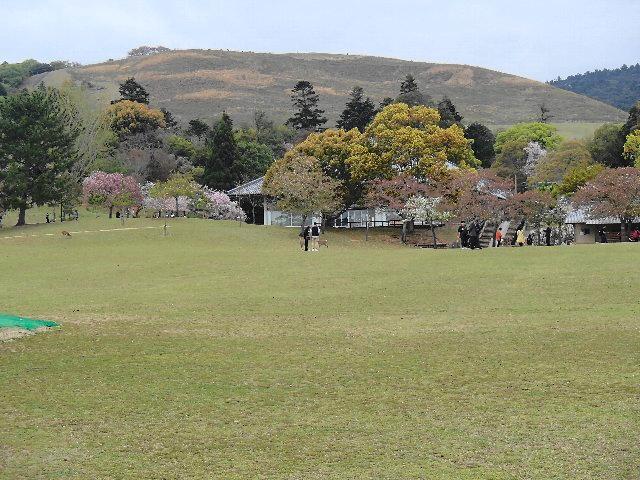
{"x": 568, "y": 130}
{"x": 222, "y": 351}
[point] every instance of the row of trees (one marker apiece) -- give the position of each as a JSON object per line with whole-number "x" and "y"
{"x": 408, "y": 160}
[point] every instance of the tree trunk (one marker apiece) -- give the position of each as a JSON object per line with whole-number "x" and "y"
{"x": 177, "y": 207}
{"x": 433, "y": 234}
{"x": 122, "y": 216}
{"x": 22, "y": 216}
{"x": 111, "y": 211}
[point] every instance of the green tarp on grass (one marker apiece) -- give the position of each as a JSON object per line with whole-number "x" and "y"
{"x": 25, "y": 323}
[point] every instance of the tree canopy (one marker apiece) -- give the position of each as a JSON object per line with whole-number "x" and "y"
{"x": 542, "y": 133}
{"x": 38, "y": 133}
{"x": 133, "y": 91}
{"x": 300, "y": 186}
{"x": 307, "y": 115}
{"x": 408, "y": 139}
{"x": 483, "y": 140}
{"x": 220, "y": 169}
{"x": 358, "y": 112}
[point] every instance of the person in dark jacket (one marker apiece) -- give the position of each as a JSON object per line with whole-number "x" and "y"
{"x": 463, "y": 235}
{"x": 547, "y": 236}
{"x": 306, "y": 233}
{"x": 474, "y": 234}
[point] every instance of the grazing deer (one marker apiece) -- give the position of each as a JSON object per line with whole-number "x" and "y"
{"x": 65, "y": 233}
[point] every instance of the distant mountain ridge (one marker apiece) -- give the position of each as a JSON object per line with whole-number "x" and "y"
{"x": 203, "y": 83}
{"x": 619, "y": 87}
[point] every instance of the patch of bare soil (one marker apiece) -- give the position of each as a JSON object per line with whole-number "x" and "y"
{"x": 8, "y": 334}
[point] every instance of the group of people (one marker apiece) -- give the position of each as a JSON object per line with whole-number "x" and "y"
{"x": 74, "y": 216}
{"x": 469, "y": 236}
{"x": 310, "y": 234}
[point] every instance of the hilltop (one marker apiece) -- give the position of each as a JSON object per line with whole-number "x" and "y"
{"x": 202, "y": 83}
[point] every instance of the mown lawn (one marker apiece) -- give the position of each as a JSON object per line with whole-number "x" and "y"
{"x": 222, "y": 351}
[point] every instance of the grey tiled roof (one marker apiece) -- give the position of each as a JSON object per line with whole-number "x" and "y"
{"x": 581, "y": 216}
{"x": 254, "y": 187}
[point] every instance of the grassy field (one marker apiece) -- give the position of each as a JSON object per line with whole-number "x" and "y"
{"x": 568, "y": 130}
{"x": 222, "y": 351}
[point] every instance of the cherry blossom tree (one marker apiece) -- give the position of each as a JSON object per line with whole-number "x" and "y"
{"x": 479, "y": 195}
{"x": 110, "y": 190}
{"x": 394, "y": 193}
{"x": 427, "y": 209}
{"x": 614, "y": 192}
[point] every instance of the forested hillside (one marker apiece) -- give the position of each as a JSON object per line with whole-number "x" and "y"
{"x": 619, "y": 87}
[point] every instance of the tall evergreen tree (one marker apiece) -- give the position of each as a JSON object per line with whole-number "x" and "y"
{"x": 37, "y": 148}
{"x": 358, "y": 112}
{"x": 197, "y": 128}
{"x": 408, "y": 85}
{"x": 483, "y": 140}
{"x": 411, "y": 95}
{"x": 307, "y": 115}
{"x": 448, "y": 114}
{"x": 221, "y": 171}
{"x": 132, "y": 90}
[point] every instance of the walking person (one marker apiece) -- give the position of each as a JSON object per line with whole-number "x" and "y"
{"x": 499, "y": 237}
{"x": 315, "y": 236}
{"x": 463, "y": 235}
{"x": 547, "y": 236}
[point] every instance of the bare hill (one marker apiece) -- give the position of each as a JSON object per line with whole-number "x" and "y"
{"x": 202, "y": 83}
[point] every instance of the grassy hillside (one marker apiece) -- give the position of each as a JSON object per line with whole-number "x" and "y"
{"x": 202, "y": 83}
{"x": 222, "y": 351}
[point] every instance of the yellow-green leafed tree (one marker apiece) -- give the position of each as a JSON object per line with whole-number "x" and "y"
{"x": 632, "y": 148}
{"x": 404, "y": 139}
{"x": 332, "y": 149}
{"x": 127, "y": 118}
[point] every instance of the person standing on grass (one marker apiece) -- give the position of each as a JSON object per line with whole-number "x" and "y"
{"x": 315, "y": 236}
{"x": 473, "y": 235}
{"x": 306, "y": 233}
{"x": 499, "y": 237}
{"x": 520, "y": 237}
{"x": 463, "y": 235}
{"x": 547, "y": 236}
{"x": 603, "y": 235}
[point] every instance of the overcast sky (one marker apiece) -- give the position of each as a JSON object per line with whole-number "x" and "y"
{"x": 539, "y": 39}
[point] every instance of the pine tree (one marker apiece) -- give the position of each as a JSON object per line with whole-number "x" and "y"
{"x": 411, "y": 95}
{"x": 197, "y": 128}
{"x": 305, "y": 101}
{"x": 448, "y": 114}
{"x": 37, "y": 147}
{"x": 358, "y": 111}
{"x": 132, "y": 90}
{"x": 220, "y": 168}
{"x": 408, "y": 85}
